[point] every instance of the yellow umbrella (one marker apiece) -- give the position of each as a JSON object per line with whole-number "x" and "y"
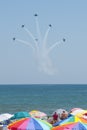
{"x": 37, "y": 114}
{"x": 80, "y": 113}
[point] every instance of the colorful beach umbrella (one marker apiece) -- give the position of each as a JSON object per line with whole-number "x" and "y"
{"x": 80, "y": 113}
{"x": 30, "y": 124}
{"x": 20, "y": 115}
{"x": 67, "y": 120}
{"x": 75, "y": 109}
{"x": 37, "y": 114}
{"x": 71, "y": 126}
{"x": 70, "y": 120}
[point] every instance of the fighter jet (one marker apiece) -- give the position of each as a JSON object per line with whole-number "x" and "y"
{"x": 22, "y": 26}
{"x": 14, "y": 38}
{"x": 50, "y": 25}
{"x": 64, "y": 39}
{"x": 36, "y": 39}
{"x": 35, "y": 15}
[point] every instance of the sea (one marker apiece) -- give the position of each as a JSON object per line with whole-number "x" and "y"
{"x": 43, "y": 97}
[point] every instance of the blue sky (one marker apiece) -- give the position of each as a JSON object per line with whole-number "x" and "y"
{"x": 69, "y": 20}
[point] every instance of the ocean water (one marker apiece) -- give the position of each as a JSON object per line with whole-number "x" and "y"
{"x": 46, "y": 98}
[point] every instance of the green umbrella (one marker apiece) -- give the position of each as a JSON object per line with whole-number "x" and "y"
{"x": 20, "y": 115}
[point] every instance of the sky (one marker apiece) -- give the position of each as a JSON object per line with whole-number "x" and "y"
{"x": 20, "y": 65}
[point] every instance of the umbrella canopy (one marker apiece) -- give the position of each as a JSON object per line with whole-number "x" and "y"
{"x": 30, "y": 124}
{"x": 67, "y": 120}
{"x": 75, "y": 109}
{"x": 5, "y": 116}
{"x": 20, "y": 115}
{"x": 80, "y": 113}
{"x": 70, "y": 120}
{"x": 37, "y": 114}
{"x": 71, "y": 126}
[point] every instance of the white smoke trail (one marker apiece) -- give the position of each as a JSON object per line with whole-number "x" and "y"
{"x": 45, "y": 38}
{"x": 38, "y": 29}
{"x": 31, "y": 35}
{"x": 26, "y": 43}
{"x": 45, "y": 64}
{"x": 53, "y": 46}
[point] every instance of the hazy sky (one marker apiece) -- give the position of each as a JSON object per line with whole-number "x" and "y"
{"x": 18, "y": 64}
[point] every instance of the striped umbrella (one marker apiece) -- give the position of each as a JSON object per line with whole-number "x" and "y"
{"x": 70, "y": 120}
{"x": 30, "y": 124}
{"x": 71, "y": 126}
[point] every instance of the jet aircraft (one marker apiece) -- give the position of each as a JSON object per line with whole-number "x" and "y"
{"x": 64, "y": 39}
{"x": 14, "y": 38}
{"x": 22, "y": 26}
{"x": 36, "y": 15}
{"x": 50, "y": 25}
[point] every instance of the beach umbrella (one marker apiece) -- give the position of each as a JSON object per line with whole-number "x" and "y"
{"x": 71, "y": 126}
{"x": 80, "y": 113}
{"x": 67, "y": 120}
{"x": 76, "y": 111}
{"x": 30, "y": 124}
{"x": 20, "y": 115}
{"x": 70, "y": 120}
{"x": 5, "y": 116}
{"x": 38, "y": 114}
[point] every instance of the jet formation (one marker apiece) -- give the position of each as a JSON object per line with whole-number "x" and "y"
{"x": 22, "y": 26}
{"x": 42, "y": 50}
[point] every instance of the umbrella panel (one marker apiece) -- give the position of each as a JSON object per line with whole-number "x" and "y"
{"x": 30, "y": 124}
{"x": 71, "y": 126}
